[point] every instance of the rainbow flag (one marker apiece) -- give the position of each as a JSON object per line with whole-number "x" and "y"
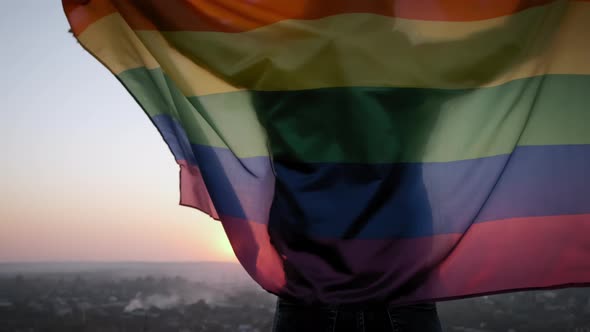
{"x": 373, "y": 150}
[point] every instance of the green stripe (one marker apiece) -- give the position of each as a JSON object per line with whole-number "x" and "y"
{"x": 223, "y": 120}
{"x": 372, "y": 125}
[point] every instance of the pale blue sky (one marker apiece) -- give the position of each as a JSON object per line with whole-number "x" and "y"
{"x": 84, "y": 175}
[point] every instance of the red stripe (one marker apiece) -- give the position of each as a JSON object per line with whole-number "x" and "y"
{"x": 512, "y": 254}
{"x": 238, "y": 16}
{"x": 251, "y": 244}
{"x": 82, "y": 14}
{"x": 193, "y": 191}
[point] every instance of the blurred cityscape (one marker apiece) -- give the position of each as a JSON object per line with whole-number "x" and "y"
{"x": 183, "y": 297}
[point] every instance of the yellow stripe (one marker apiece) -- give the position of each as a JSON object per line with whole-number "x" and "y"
{"x": 113, "y": 42}
{"x": 357, "y": 50}
{"x": 118, "y": 47}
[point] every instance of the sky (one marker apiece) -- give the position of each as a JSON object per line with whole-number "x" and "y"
{"x": 84, "y": 175}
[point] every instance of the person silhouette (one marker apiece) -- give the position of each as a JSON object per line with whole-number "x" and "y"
{"x": 314, "y": 232}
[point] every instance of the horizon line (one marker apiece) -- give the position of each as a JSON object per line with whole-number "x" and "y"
{"x": 116, "y": 262}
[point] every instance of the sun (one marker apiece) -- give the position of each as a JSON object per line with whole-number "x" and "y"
{"x": 226, "y": 252}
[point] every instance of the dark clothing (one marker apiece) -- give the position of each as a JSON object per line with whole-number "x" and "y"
{"x": 296, "y": 317}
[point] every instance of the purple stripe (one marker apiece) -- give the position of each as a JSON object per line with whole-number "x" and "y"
{"x": 422, "y": 199}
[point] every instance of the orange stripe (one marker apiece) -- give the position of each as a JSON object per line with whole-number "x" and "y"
{"x": 82, "y": 13}
{"x": 239, "y": 16}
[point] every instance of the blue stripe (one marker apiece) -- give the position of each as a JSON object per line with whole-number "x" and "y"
{"x": 241, "y": 188}
{"x": 422, "y": 199}
{"x": 175, "y": 137}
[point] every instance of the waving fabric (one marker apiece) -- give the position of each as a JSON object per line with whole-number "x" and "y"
{"x": 359, "y": 151}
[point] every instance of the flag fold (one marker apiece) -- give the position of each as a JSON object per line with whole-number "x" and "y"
{"x": 383, "y": 150}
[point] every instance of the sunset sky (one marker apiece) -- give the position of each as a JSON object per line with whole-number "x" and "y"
{"x": 84, "y": 176}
